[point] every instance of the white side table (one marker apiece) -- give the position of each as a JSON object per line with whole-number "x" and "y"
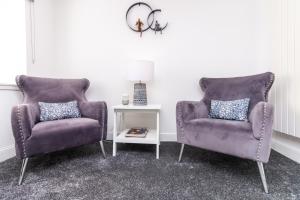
{"x": 152, "y": 136}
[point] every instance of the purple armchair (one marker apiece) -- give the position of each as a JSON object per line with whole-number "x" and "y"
{"x": 245, "y": 139}
{"x": 33, "y": 137}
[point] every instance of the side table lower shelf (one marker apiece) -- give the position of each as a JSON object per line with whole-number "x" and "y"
{"x": 120, "y": 131}
{"x": 150, "y": 138}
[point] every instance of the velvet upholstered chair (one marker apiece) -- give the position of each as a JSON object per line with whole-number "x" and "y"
{"x": 245, "y": 139}
{"x": 33, "y": 137}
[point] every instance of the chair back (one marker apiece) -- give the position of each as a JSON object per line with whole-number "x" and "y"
{"x": 255, "y": 87}
{"x": 36, "y": 89}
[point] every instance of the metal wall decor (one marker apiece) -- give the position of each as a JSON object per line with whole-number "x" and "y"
{"x": 151, "y": 22}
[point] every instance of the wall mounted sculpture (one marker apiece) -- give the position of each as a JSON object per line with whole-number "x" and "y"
{"x": 151, "y": 23}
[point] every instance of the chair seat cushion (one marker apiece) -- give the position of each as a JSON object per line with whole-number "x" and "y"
{"x": 224, "y": 136}
{"x": 56, "y": 135}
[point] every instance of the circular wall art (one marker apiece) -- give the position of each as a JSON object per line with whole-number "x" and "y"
{"x": 141, "y": 26}
{"x": 157, "y": 26}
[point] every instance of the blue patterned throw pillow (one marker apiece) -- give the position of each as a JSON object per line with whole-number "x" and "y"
{"x": 55, "y": 111}
{"x": 231, "y": 110}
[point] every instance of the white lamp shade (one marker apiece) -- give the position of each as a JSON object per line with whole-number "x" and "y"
{"x": 140, "y": 70}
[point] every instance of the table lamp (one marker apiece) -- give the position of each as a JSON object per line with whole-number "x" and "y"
{"x": 140, "y": 71}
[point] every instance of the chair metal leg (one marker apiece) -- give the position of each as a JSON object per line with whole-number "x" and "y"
{"x": 181, "y": 151}
{"x": 263, "y": 176}
{"x": 23, "y": 169}
{"x": 102, "y": 149}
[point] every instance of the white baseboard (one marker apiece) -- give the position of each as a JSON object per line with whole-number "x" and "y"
{"x": 164, "y": 137}
{"x": 286, "y": 145}
{"x": 7, "y": 152}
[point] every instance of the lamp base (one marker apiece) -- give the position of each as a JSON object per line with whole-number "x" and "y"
{"x": 140, "y": 94}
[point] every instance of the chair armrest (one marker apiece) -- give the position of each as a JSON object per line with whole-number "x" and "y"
{"x": 261, "y": 118}
{"x": 186, "y": 111}
{"x": 95, "y": 110}
{"x": 23, "y": 118}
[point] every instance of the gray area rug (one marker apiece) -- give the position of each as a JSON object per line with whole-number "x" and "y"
{"x": 82, "y": 173}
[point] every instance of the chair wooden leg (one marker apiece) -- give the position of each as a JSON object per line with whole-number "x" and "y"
{"x": 181, "y": 151}
{"x": 23, "y": 169}
{"x": 102, "y": 149}
{"x": 263, "y": 176}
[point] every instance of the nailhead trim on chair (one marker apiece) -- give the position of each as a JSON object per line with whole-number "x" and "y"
{"x": 19, "y": 84}
{"x": 268, "y": 87}
{"x": 19, "y": 120}
{"x": 102, "y": 121}
{"x": 97, "y": 117}
{"x": 262, "y": 132}
{"x": 102, "y": 124}
{"x": 180, "y": 121}
{"x": 264, "y": 119}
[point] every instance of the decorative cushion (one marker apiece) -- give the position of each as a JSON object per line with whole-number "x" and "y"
{"x": 55, "y": 111}
{"x": 231, "y": 110}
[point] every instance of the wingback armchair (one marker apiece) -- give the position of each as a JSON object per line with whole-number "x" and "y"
{"x": 245, "y": 139}
{"x": 33, "y": 137}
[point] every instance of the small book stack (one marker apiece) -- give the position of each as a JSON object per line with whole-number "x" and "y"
{"x": 137, "y": 132}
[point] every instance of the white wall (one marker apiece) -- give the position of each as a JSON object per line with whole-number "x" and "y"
{"x": 43, "y": 37}
{"x": 9, "y": 97}
{"x": 204, "y": 38}
{"x": 286, "y": 63}
{"x": 12, "y": 40}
